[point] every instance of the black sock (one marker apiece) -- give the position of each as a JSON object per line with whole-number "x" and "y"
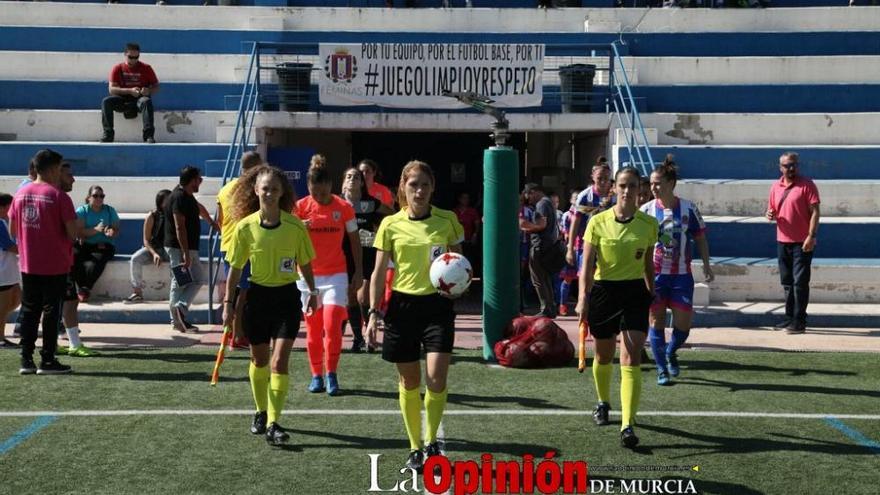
{"x": 356, "y": 322}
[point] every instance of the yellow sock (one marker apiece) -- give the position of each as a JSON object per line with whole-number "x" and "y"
{"x": 630, "y": 391}
{"x": 411, "y": 408}
{"x": 602, "y": 379}
{"x": 435, "y": 404}
{"x": 278, "y": 385}
{"x": 259, "y": 385}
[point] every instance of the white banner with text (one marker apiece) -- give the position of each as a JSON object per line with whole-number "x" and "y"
{"x": 417, "y": 75}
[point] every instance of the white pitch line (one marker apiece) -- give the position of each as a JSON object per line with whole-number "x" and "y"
{"x": 454, "y": 412}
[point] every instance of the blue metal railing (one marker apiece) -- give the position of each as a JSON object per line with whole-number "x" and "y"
{"x": 628, "y": 117}
{"x": 244, "y": 124}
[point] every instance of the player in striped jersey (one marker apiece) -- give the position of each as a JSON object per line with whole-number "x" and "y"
{"x": 680, "y": 224}
{"x": 592, "y": 200}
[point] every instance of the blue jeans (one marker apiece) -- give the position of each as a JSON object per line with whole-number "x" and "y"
{"x": 184, "y": 296}
{"x": 794, "y": 273}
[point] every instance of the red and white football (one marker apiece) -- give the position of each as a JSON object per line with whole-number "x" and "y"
{"x": 451, "y": 274}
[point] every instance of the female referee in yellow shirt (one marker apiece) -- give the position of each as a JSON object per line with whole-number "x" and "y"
{"x": 276, "y": 243}
{"x": 618, "y": 245}
{"x": 418, "y": 317}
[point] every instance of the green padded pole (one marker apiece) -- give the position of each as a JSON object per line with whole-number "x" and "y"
{"x": 500, "y": 244}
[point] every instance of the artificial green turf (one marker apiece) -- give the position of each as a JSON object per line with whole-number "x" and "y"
{"x": 215, "y": 454}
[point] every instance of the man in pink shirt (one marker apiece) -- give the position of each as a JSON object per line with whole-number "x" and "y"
{"x": 794, "y": 206}
{"x": 43, "y": 220}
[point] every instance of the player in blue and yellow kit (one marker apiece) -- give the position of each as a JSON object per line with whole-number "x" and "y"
{"x": 275, "y": 243}
{"x": 616, "y": 289}
{"x": 418, "y": 318}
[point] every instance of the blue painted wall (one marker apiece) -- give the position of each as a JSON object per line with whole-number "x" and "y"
{"x": 79, "y": 95}
{"x": 745, "y": 162}
{"x": 758, "y": 240}
{"x": 763, "y": 98}
{"x": 131, "y": 233}
{"x": 116, "y": 160}
{"x": 640, "y": 44}
{"x": 87, "y": 95}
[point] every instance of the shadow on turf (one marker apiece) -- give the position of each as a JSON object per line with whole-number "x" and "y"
{"x": 452, "y": 444}
{"x": 473, "y": 401}
{"x": 776, "y": 442}
{"x": 733, "y": 366}
{"x": 768, "y": 387}
{"x": 195, "y": 376}
{"x": 170, "y": 357}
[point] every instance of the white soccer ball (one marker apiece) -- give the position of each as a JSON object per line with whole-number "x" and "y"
{"x": 451, "y": 274}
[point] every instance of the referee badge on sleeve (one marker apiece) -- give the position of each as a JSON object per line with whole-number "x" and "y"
{"x": 286, "y": 265}
{"x": 436, "y": 251}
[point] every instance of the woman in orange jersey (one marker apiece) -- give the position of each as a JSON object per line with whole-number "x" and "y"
{"x": 329, "y": 218}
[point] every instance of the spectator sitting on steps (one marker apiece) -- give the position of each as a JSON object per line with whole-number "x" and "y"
{"x": 132, "y": 85}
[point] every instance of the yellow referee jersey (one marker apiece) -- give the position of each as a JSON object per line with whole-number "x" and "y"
{"x": 273, "y": 252}
{"x": 621, "y": 246}
{"x": 415, "y": 244}
{"x": 228, "y": 226}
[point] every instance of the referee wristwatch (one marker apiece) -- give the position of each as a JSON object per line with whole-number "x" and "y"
{"x": 374, "y": 311}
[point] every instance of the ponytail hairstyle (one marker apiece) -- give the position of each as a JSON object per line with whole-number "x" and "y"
{"x": 668, "y": 170}
{"x": 318, "y": 173}
{"x": 412, "y": 167}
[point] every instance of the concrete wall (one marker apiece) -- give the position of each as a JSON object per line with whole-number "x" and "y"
{"x": 443, "y": 20}
{"x": 850, "y": 282}
{"x": 807, "y": 129}
{"x": 840, "y": 198}
{"x": 85, "y": 125}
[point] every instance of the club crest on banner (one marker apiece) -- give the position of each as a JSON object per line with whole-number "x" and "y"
{"x": 340, "y": 66}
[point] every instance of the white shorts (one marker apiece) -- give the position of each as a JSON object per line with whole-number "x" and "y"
{"x": 333, "y": 290}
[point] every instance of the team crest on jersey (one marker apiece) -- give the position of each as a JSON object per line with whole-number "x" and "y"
{"x": 31, "y": 214}
{"x": 436, "y": 251}
{"x": 286, "y": 265}
{"x": 639, "y": 253}
{"x": 336, "y": 216}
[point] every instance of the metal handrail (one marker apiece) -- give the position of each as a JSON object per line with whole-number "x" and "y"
{"x": 243, "y": 127}
{"x": 637, "y": 129}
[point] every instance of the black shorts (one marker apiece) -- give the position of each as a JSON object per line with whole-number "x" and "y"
{"x": 272, "y": 313}
{"x": 416, "y": 322}
{"x": 69, "y": 289}
{"x": 617, "y": 305}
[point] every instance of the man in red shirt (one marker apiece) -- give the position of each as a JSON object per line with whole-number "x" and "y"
{"x": 794, "y": 206}
{"x": 132, "y": 85}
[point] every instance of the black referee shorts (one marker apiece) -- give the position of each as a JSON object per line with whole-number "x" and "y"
{"x": 272, "y": 313}
{"x": 617, "y": 305}
{"x": 414, "y": 323}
